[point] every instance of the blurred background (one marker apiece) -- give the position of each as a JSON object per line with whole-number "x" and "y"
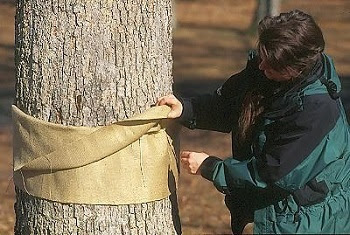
{"x": 211, "y": 40}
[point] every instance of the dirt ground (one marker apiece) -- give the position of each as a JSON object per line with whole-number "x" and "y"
{"x": 210, "y": 43}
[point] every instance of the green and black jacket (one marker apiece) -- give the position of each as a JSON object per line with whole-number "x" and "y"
{"x": 295, "y": 175}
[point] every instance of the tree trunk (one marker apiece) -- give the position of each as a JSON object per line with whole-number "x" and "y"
{"x": 90, "y": 63}
{"x": 263, "y": 8}
{"x": 267, "y": 8}
{"x": 274, "y": 7}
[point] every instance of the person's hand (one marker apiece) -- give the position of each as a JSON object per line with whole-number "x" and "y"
{"x": 191, "y": 161}
{"x": 173, "y": 103}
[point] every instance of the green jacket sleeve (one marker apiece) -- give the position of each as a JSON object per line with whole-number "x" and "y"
{"x": 231, "y": 173}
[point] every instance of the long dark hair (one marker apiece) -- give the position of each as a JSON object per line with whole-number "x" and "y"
{"x": 292, "y": 42}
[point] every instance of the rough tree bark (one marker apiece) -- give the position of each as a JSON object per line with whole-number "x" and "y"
{"x": 90, "y": 63}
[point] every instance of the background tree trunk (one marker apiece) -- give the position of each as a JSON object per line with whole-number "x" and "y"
{"x": 264, "y": 8}
{"x": 90, "y": 63}
{"x": 267, "y": 8}
{"x": 274, "y": 7}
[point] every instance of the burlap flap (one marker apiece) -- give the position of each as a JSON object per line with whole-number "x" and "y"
{"x": 127, "y": 162}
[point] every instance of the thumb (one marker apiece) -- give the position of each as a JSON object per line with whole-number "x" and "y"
{"x": 173, "y": 114}
{"x": 185, "y": 154}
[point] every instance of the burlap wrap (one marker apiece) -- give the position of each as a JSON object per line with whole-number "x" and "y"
{"x": 127, "y": 162}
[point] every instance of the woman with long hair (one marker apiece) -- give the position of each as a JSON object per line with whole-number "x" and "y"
{"x": 290, "y": 169}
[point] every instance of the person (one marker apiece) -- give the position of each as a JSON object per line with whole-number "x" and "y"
{"x": 290, "y": 169}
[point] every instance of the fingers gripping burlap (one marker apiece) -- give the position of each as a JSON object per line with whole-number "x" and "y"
{"x": 126, "y": 162}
